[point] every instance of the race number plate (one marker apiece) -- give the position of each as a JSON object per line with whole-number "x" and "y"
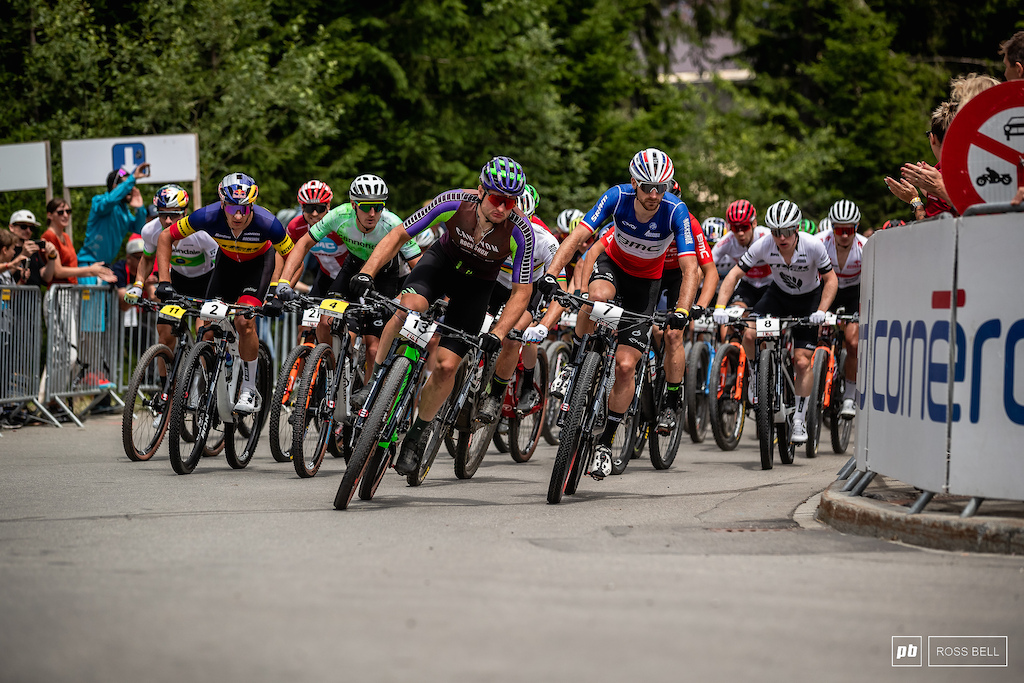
{"x": 606, "y": 313}
{"x": 831, "y": 318}
{"x": 333, "y": 308}
{"x": 214, "y": 310}
{"x": 767, "y": 328}
{"x": 568, "y": 320}
{"x": 172, "y": 312}
{"x": 488, "y": 321}
{"x": 311, "y": 317}
{"x": 417, "y": 330}
{"x": 703, "y": 324}
{"x": 735, "y": 312}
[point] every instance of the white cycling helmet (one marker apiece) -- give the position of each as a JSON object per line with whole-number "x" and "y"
{"x": 844, "y": 211}
{"x": 368, "y": 187}
{"x": 568, "y": 219}
{"x": 713, "y": 228}
{"x": 651, "y": 166}
{"x": 824, "y": 224}
{"x": 782, "y": 215}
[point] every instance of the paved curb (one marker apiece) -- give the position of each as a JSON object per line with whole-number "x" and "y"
{"x": 943, "y": 531}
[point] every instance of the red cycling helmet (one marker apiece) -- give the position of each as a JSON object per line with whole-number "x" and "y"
{"x": 315, "y": 192}
{"x": 741, "y": 212}
{"x": 892, "y": 223}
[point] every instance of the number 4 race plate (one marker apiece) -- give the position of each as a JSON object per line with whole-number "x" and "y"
{"x": 335, "y": 308}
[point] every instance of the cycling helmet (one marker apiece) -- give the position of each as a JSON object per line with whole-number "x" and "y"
{"x": 676, "y": 190}
{"x": 824, "y": 225}
{"x": 741, "y": 212}
{"x": 315, "y": 192}
{"x": 713, "y": 228}
{"x": 238, "y": 188}
{"x": 808, "y": 226}
{"x": 651, "y": 166}
{"x": 528, "y": 200}
{"x": 844, "y": 211}
{"x": 171, "y": 197}
{"x": 368, "y": 187}
{"x": 892, "y": 223}
{"x": 783, "y": 214}
{"x": 503, "y": 175}
{"x": 568, "y": 219}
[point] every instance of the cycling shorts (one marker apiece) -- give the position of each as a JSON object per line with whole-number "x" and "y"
{"x": 671, "y": 282}
{"x": 634, "y": 294}
{"x": 321, "y": 284}
{"x": 434, "y": 277}
{"x": 195, "y": 287}
{"x": 747, "y": 293}
{"x": 847, "y": 298}
{"x": 244, "y": 282}
{"x": 500, "y": 296}
{"x": 775, "y": 302}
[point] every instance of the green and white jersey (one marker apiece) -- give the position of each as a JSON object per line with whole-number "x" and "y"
{"x": 192, "y": 256}
{"x": 342, "y": 221}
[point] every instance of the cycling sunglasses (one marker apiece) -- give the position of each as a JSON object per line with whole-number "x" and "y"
{"x": 502, "y": 200}
{"x": 235, "y": 209}
{"x": 844, "y": 231}
{"x": 740, "y": 227}
{"x": 660, "y": 188}
{"x": 170, "y": 214}
{"x": 783, "y": 232}
{"x": 367, "y": 207}
{"x": 314, "y": 208}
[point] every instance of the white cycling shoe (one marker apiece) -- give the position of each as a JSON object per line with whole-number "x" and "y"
{"x": 248, "y": 402}
{"x": 849, "y": 409}
{"x": 601, "y": 466}
{"x": 799, "y": 431}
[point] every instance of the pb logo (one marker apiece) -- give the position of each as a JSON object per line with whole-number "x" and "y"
{"x": 907, "y": 651}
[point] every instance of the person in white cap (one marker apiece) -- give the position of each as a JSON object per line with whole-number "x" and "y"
{"x": 126, "y": 270}
{"x": 34, "y": 263}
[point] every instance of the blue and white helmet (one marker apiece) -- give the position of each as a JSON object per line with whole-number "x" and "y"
{"x": 651, "y": 166}
{"x": 503, "y": 175}
{"x": 713, "y": 228}
{"x": 238, "y": 188}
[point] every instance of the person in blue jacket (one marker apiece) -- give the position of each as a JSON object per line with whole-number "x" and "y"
{"x": 114, "y": 215}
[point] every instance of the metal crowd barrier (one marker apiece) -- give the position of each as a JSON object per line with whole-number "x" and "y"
{"x": 21, "y": 336}
{"x": 83, "y": 356}
{"x": 137, "y": 333}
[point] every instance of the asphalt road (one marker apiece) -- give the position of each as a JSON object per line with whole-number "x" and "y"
{"x": 714, "y": 570}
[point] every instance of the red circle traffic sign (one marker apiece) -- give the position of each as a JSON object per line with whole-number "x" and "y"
{"x": 983, "y": 151}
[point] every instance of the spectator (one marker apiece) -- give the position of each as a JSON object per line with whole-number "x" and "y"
{"x": 8, "y": 242}
{"x": 126, "y": 270}
{"x": 114, "y": 215}
{"x": 1012, "y": 51}
{"x": 67, "y": 271}
{"x": 963, "y": 89}
{"x": 32, "y": 264}
{"x": 927, "y": 178}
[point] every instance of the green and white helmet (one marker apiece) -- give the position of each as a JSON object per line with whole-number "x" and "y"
{"x": 528, "y": 200}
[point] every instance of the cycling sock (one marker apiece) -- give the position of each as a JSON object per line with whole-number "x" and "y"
{"x": 418, "y": 425}
{"x": 609, "y": 429}
{"x": 850, "y": 390}
{"x": 498, "y": 385}
{"x": 249, "y": 374}
{"x": 527, "y": 378}
{"x": 576, "y": 341}
{"x": 801, "y": 407}
{"x": 673, "y": 394}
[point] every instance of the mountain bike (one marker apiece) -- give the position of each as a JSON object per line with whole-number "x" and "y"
{"x": 587, "y": 395}
{"x": 700, "y": 358}
{"x": 730, "y": 374}
{"x": 283, "y": 403}
{"x": 147, "y": 401}
{"x": 829, "y": 386}
{"x": 208, "y": 388}
{"x": 662, "y": 448}
{"x": 333, "y": 372}
{"x": 775, "y": 388}
{"x": 557, "y": 353}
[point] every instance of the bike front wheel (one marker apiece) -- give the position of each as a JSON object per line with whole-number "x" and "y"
{"x": 311, "y": 429}
{"x": 524, "y": 430}
{"x": 283, "y": 403}
{"x": 250, "y": 426}
{"x": 147, "y": 408}
{"x": 765, "y": 408}
{"x": 573, "y": 441}
{"x": 696, "y": 390}
{"x": 557, "y": 358}
{"x": 819, "y": 374}
{"x": 191, "y": 410}
{"x": 726, "y": 410}
{"x": 841, "y": 428}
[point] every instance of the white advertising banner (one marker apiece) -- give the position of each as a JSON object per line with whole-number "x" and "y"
{"x": 24, "y": 166}
{"x": 172, "y": 158}
{"x": 903, "y": 358}
{"x": 986, "y": 452}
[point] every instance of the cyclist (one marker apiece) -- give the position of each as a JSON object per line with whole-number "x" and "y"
{"x": 808, "y": 226}
{"x": 846, "y": 250}
{"x": 566, "y": 222}
{"x": 192, "y": 259}
{"x": 482, "y": 227}
{"x": 714, "y": 229}
{"x": 315, "y": 197}
{"x": 544, "y": 247}
{"x": 803, "y": 283}
{"x": 246, "y": 269}
{"x": 743, "y": 231}
{"x": 360, "y": 225}
{"x": 647, "y": 219}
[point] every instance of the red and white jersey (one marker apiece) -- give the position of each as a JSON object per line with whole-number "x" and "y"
{"x": 802, "y": 274}
{"x": 849, "y": 274}
{"x": 700, "y": 246}
{"x": 728, "y": 252}
{"x": 330, "y": 252}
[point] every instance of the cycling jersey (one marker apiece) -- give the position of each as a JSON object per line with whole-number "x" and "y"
{"x": 480, "y": 258}
{"x": 330, "y": 252}
{"x": 191, "y": 257}
{"x": 255, "y": 239}
{"x": 700, "y": 247}
{"x": 849, "y": 274}
{"x": 639, "y": 248}
{"x": 341, "y": 221}
{"x": 544, "y": 247}
{"x": 728, "y": 251}
{"x": 803, "y": 272}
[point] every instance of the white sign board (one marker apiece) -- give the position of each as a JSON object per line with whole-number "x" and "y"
{"x": 988, "y": 416}
{"x": 24, "y": 166}
{"x": 903, "y": 359}
{"x": 172, "y": 158}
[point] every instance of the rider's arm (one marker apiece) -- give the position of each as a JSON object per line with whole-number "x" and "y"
{"x": 385, "y": 250}
{"x": 293, "y": 266}
{"x": 828, "y": 292}
{"x": 163, "y": 254}
{"x": 685, "y": 246}
{"x": 589, "y": 259}
{"x": 729, "y": 286}
{"x": 710, "y": 284}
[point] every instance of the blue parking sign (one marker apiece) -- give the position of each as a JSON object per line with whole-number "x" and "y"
{"x": 129, "y": 155}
